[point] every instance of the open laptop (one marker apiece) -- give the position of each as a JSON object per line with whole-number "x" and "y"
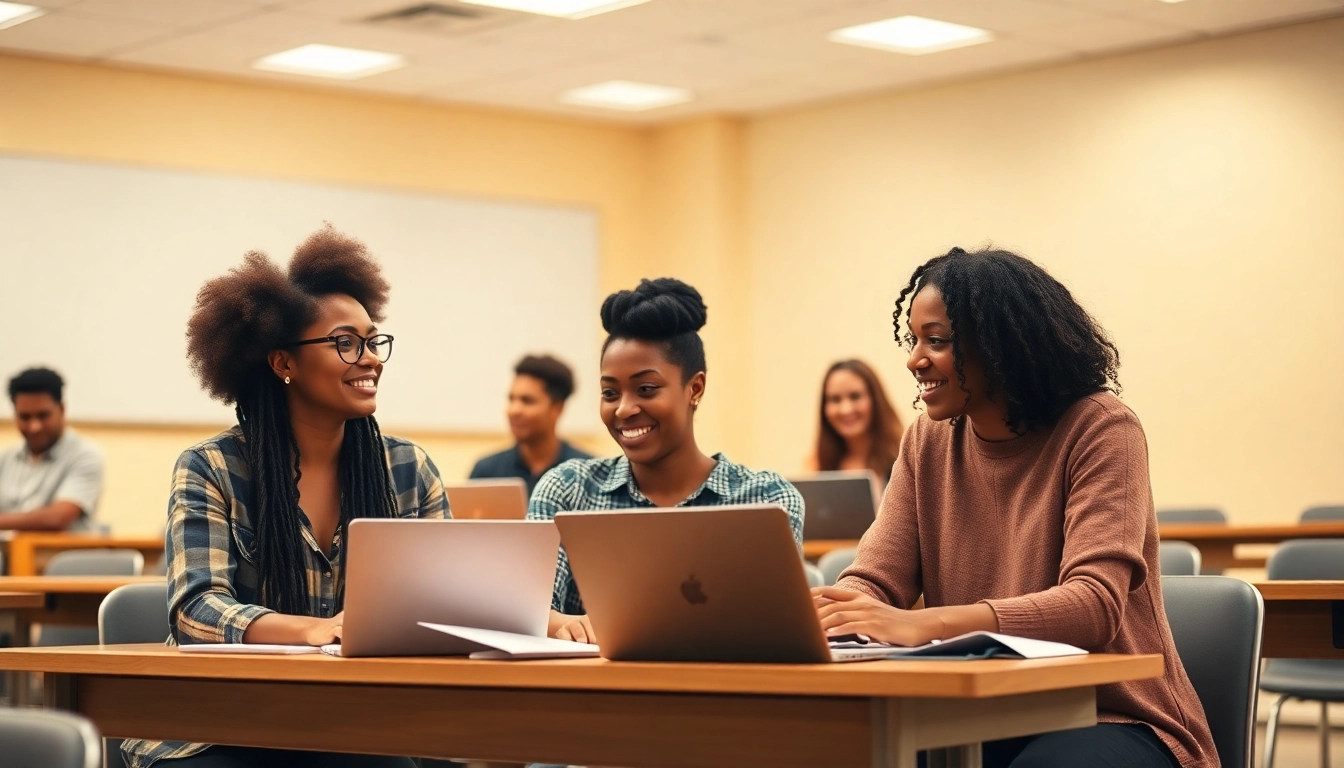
{"x": 840, "y": 504}
{"x": 697, "y": 584}
{"x": 488, "y": 574}
{"x": 503, "y": 499}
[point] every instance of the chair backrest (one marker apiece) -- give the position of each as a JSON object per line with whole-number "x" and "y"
{"x": 1323, "y": 514}
{"x": 1196, "y": 516}
{"x": 96, "y": 562}
{"x": 134, "y": 613}
{"x": 1216, "y": 623}
{"x": 35, "y": 738}
{"x": 1178, "y": 558}
{"x": 87, "y": 562}
{"x": 833, "y": 563}
{"x": 1308, "y": 560}
{"x": 814, "y": 577}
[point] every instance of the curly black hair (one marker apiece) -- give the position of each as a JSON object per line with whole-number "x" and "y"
{"x": 1040, "y": 349}
{"x": 239, "y": 319}
{"x": 664, "y": 310}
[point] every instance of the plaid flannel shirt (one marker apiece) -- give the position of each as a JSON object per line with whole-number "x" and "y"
{"x": 598, "y": 484}
{"x": 211, "y": 545}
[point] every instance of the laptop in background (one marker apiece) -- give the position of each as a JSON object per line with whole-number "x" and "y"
{"x": 702, "y": 584}
{"x": 487, "y": 574}
{"x": 502, "y": 499}
{"x": 840, "y": 504}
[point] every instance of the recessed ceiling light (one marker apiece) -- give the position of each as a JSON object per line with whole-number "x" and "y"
{"x": 914, "y": 35}
{"x": 330, "y": 61}
{"x": 569, "y": 9}
{"x": 14, "y": 13}
{"x": 626, "y": 95}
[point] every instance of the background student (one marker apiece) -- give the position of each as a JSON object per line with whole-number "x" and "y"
{"x": 653, "y": 378}
{"x": 858, "y": 427}
{"x": 1021, "y": 504}
{"x": 541, "y": 385}
{"x": 51, "y": 481}
{"x": 258, "y": 514}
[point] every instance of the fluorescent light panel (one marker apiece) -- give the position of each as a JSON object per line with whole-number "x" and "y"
{"x": 567, "y": 9}
{"x": 330, "y": 61}
{"x": 913, "y": 35}
{"x": 626, "y": 95}
{"x": 13, "y": 14}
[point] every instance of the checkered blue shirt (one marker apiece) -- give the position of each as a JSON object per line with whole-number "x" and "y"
{"x": 597, "y": 484}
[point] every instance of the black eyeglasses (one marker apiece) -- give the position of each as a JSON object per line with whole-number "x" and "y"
{"x": 351, "y": 347}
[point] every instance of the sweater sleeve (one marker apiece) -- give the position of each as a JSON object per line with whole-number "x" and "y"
{"x": 1108, "y": 508}
{"x": 886, "y": 565}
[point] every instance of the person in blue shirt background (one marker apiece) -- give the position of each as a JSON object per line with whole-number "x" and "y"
{"x": 653, "y": 378}
{"x": 541, "y": 385}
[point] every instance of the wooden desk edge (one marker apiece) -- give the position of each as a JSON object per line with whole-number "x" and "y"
{"x": 932, "y": 679}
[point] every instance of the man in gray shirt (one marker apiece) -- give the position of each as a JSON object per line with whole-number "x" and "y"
{"x": 53, "y": 480}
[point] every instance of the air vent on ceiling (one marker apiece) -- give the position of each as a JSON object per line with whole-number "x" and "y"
{"x": 443, "y": 18}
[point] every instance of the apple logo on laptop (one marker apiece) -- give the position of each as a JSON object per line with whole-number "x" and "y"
{"x": 690, "y": 589}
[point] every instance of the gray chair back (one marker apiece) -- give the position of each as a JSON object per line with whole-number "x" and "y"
{"x": 814, "y": 577}
{"x": 87, "y": 562}
{"x": 1307, "y": 560}
{"x": 1216, "y": 623}
{"x": 35, "y": 738}
{"x": 1323, "y": 514}
{"x": 134, "y": 613}
{"x": 834, "y": 563}
{"x": 1178, "y": 558}
{"x": 1196, "y": 516}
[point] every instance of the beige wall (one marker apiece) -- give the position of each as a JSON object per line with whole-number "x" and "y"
{"x": 1192, "y": 197}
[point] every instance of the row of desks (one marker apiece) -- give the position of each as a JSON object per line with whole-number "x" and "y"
{"x": 1217, "y": 543}
{"x": 593, "y": 712}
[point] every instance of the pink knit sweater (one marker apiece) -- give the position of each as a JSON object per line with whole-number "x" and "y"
{"x": 1055, "y": 531}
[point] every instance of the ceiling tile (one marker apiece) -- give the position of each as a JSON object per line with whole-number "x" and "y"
{"x": 63, "y": 34}
{"x": 1103, "y": 35}
{"x": 169, "y": 13}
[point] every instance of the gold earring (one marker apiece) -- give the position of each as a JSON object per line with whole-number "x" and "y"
{"x": 286, "y": 379}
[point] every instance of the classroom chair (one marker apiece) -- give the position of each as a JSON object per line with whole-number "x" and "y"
{"x": 814, "y": 576}
{"x": 1191, "y": 517}
{"x": 87, "y": 562}
{"x": 135, "y": 613}
{"x": 1323, "y": 514}
{"x": 834, "y": 563}
{"x": 37, "y": 738}
{"x": 1178, "y": 558}
{"x": 1306, "y": 679}
{"x": 1216, "y": 623}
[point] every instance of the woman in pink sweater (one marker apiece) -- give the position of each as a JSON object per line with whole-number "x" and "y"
{"x": 1020, "y": 503}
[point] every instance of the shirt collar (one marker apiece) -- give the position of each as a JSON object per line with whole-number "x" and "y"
{"x": 719, "y": 480}
{"x": 51, "y": 453}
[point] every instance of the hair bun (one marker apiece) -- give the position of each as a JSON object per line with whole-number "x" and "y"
{"x": 657, "y": 309}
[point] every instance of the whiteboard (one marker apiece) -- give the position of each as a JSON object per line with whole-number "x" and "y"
{"x": 100, "y": 265}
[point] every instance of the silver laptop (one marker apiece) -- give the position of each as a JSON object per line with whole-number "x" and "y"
{"x": 488, "y": 574}
{"x": 697, "y": 584}
{"x": 840, "y": 504}
{"x": 502, "y": 499}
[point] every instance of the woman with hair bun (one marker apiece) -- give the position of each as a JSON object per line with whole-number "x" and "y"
{"x": 257, "y": 514}
{"x": 653, "y": 378}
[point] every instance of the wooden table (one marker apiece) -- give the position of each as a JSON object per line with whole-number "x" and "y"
{"x": 1217, "y": 543}
{"x": 1303, "y": 619}
{"x": 13, "y": 600}
{"x": 26, "y": 554}
{"x": 815, "y": 548}
{"x": 583, "y": 711}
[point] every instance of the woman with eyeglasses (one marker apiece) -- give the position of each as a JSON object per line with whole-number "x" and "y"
{"x": 258, "y": 514}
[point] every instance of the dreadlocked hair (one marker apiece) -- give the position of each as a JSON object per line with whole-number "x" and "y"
{"x": 1040, "y": 349}
{"x": 239, "y": 318}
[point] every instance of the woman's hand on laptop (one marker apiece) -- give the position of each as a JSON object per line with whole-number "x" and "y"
{"x": 566, "y": 627}
{"x": 843, "y": 612}
{"x": 325, "y": 631}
